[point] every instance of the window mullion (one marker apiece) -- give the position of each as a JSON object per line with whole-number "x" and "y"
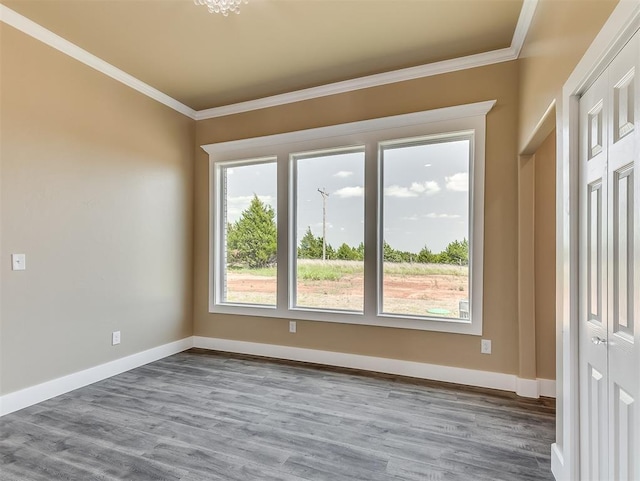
{"x": 371, "y": 223}
{"x": 285, "y": 228}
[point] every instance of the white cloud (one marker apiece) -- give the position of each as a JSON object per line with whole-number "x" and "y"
{"x": 458, "y": 182}
{"x": 410, "y": 217}
{"x": 427, "y": 165}
{"x": 343, "y": 174}
{"x": 429, "y": 188}
{"x": 433, "y": 215}
{"x": 345, "y": 192}
{"x": 397, "y": 191}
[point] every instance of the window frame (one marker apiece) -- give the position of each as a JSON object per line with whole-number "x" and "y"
{"x": 450, "y": 121}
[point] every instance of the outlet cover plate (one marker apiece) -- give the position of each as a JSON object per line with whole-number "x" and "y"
{"x": 485, "y": 346}
{"x": 115, "y": 338}
{"x": 292, "y": 327}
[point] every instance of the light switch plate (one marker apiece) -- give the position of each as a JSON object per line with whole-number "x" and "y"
{"x": 18, "y": 262}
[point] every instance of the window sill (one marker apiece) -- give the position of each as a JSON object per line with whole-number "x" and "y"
{"x": 454, "y": 326}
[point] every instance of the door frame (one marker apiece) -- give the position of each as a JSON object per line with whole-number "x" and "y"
{"x": 618, "y": 29}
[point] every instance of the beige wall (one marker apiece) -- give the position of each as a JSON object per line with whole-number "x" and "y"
{"x": 545, "y": 257}
{"x": 500, "y": 302}
{"x": 559, "y": 35}
{"x": 96, "y": 190}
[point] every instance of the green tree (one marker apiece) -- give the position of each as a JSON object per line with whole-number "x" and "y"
{"x": 425, "y": 256}
{"x": 457, "y": 252}
{"x": 347, "y": 253}
{"x": 252, "y": 239}
{"x": 389, "y": 254}
{"x": 310, "y": 246}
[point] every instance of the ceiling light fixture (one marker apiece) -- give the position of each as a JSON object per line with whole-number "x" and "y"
{"x": 222, "y": 6}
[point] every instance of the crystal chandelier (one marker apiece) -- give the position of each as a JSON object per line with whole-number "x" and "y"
{"x": 222, "y": 6}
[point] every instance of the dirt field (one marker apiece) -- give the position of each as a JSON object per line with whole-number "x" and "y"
{"x": 411, "y": 292}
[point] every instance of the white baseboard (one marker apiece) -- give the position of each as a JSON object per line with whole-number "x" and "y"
{"x": 32, "y": 395}
{"x": 493, "y": 380}
{"x": 557, "y": 463}
{"x": 470, "y": 377}
{"x": 547, "y": 387}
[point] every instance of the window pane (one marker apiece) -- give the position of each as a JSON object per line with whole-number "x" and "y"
{"x": 250, "y": 237}
{"x": 330, "y": 208}
{"x": 426, "y": 229}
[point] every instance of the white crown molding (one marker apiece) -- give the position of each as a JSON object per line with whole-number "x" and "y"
{"x": 41, "y": 392}
{"x": 402, "y": 75}
{"x": 523, "y": 25}
{"x": 433, "y": 372}
{"x": 29, "y": 27}
{"x": 437, "y": 68}
{"x": 38, "y": 32}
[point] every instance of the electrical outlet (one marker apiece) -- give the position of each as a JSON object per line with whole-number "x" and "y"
{"x": 485, "y": 346}
{"x": 292, "y": 326}
{"x": 115, "y": 338}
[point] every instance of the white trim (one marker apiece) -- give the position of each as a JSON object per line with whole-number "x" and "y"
{"x": 29, "y": 27}
{"x": 557, "y": 463}
{"x": 617, "y": 30}
{"x": 22, "y": 23}
{"x": 547, "y": 387}
{"x": 527, "y": 387}
{"x": 458, "y": 120}
{"x": 433, "y": 372}
{"x": 35, "y": 394}
{"x": 352, "y": 128}
{"x": 402, "y": 75}
{"x": 411, "y": 73}
{"x": 523, "y": 25}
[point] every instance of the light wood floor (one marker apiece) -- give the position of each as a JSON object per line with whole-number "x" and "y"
{"x": 202, "y": 416}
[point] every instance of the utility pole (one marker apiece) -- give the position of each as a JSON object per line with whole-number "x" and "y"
{"x": 324, "y": 194}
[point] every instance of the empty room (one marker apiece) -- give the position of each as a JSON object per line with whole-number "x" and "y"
{"x": 319, "y": 240}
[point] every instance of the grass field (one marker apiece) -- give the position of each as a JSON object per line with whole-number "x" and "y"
{"x": 408, "y": 288}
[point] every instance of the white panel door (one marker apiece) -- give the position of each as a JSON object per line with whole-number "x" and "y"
{"x": 593, "y": 282}
{"x": 609, "y": 276}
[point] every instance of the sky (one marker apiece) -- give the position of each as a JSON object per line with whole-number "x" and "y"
{"x": 425, "y": 200}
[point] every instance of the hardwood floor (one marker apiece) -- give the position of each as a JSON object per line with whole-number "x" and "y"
{"x": 202, "y": 416}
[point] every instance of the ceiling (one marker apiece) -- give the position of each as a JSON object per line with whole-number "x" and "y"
{"x": 274, "y": 46}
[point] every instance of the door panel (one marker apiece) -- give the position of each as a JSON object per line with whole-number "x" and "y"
{"x": 623, "y": 358}
{"x": 608, "y": 272}
{"x": 593, "y": 281}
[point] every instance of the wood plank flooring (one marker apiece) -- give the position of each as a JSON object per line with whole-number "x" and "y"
{"x": 202, "y": 416}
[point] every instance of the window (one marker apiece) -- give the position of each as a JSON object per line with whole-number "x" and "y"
{"x": 425, "y": 219}
{"x": 329, "y": 205}
{"x": 377, "y": 222}
{"x": 248, "y": 233}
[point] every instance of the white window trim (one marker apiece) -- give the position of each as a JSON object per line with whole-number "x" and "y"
{"x": 370, "y": 133}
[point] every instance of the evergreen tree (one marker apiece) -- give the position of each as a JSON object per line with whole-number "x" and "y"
{"x": 252, "y": 239}
{"x": 425, "y": 256}
{"x": 457, "y": 253}
{"x": 389, "y": 254}
{"x": 346, "y": 253}
{"x": 310, "y": 246}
